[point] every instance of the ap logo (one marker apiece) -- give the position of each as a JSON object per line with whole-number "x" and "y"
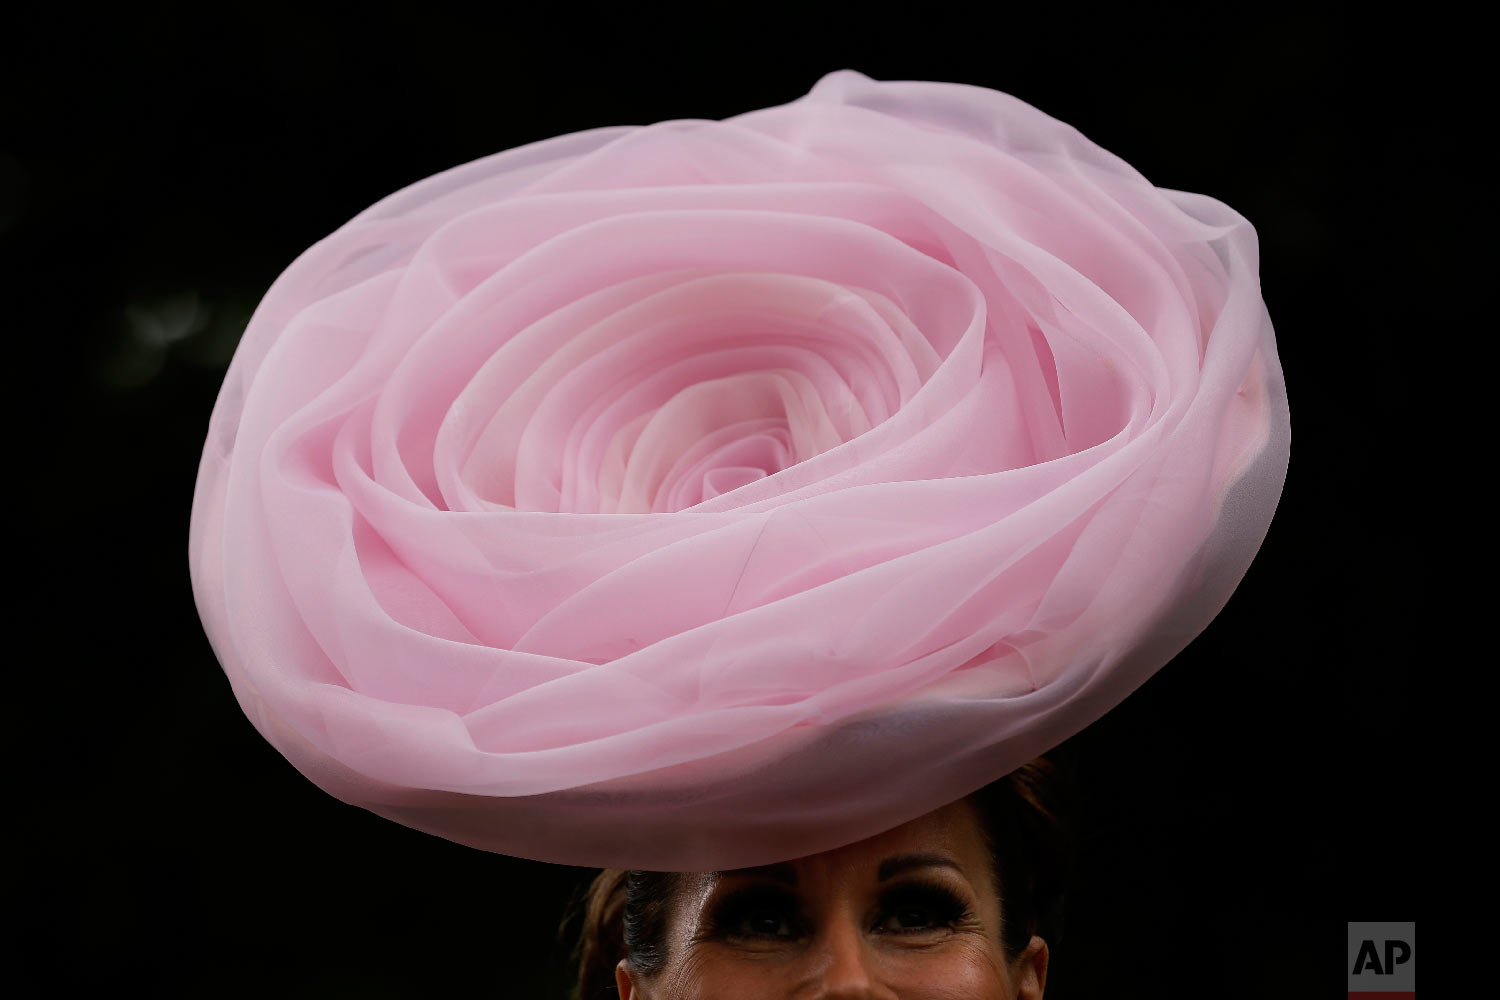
{"x": 1382, "y": 961}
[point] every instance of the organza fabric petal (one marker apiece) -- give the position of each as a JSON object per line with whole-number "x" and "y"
{"x": 705, "y": 494}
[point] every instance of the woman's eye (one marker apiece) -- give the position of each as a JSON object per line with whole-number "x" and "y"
{"x": 909, "y": 918}
{"x": 765, "y": 923}
{"x": 758, "y": 914}
{"x": 914, "y": 913}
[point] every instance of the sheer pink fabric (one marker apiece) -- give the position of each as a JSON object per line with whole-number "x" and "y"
{"x": 709, "y": 493}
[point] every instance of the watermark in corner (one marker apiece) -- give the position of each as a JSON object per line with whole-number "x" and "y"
{"x": 1382, "y": 960}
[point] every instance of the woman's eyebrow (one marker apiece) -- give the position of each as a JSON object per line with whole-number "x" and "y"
{"x": 901, "y": 863}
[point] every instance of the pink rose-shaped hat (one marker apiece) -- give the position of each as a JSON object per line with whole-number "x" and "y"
{"x": 705, "y": 494}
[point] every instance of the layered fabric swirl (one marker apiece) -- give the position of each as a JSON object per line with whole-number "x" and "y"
{"x": 711, "y": 493}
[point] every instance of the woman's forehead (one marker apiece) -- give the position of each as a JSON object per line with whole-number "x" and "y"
{"x": 949, "y": 837}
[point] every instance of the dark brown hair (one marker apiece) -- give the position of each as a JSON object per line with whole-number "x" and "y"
{"x": 1026, "y": 827}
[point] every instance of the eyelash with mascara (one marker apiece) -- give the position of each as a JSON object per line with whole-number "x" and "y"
{"x": 940, "y": 905}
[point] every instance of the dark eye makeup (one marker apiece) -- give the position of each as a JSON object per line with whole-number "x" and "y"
{"x": 758, "y": 911}
{"x": 771, "y": 913}
{"x": 917, "y": 907}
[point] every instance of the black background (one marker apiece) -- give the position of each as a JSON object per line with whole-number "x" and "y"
{"x": 158, "y": 170}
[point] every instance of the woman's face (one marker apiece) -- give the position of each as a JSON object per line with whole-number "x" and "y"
{"x": 910, "y": 914}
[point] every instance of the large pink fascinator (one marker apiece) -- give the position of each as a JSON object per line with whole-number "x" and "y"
{"x": 703, "y": 494}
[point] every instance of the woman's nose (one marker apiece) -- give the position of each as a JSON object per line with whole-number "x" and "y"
{"x": 848, "y": 966}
